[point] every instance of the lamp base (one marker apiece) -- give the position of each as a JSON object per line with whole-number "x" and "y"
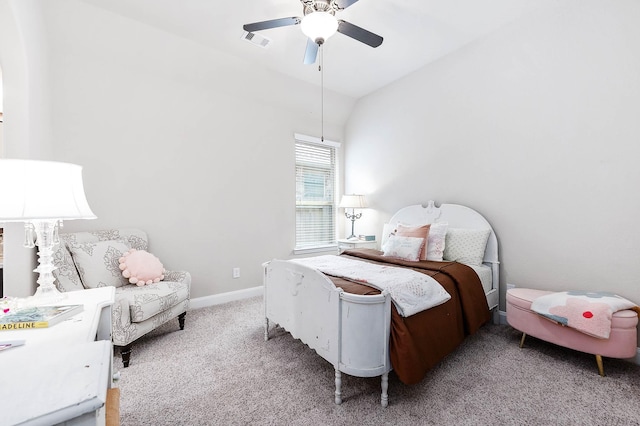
{"x": 46, "y": 239}
{"x": 353, "y": 216}
{"x": 46, "y": 294}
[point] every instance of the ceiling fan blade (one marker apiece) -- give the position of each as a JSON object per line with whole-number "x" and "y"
{"x": 273, "y": 23}
{"x": 311, "y": 53}
{"x": 360, "y": 34}
{"x": 343, "y": 4}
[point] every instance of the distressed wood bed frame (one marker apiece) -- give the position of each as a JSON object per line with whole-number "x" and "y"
{"x": 351, "y": 331}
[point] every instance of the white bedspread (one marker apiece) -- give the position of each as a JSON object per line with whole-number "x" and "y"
{"x": 410, "y": 291}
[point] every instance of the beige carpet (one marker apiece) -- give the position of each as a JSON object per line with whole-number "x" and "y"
{"x": 220, "y": 371}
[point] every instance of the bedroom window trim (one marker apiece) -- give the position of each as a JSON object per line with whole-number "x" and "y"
{"x": 316, "y": 158}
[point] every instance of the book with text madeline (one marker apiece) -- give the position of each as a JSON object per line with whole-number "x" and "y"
{"x": 38, "y": 316}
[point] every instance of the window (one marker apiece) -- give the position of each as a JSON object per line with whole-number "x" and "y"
{"x": 316, "y": 171}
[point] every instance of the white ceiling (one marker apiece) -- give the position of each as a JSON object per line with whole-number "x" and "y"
{"x": 416, "y": 32}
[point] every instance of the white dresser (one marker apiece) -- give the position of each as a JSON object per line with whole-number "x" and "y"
{"x": 61, "y": 374}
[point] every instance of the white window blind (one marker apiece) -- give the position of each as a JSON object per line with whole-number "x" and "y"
{"x": 315, "y": 194}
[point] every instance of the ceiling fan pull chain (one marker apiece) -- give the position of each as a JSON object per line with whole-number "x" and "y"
{"x": 321, "y": 69}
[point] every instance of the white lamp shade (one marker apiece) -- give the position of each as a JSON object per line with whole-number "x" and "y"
{"x": 38, "y": 190}
{"x": 353, "y": 202}
{"x": 319, "y": 25}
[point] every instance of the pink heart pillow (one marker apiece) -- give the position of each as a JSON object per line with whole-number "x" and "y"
{"x": 141, "y": 267}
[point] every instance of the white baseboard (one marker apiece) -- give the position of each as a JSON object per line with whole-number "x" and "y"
{"x": 218, "y": 299}
{"x": 502, "y": 315}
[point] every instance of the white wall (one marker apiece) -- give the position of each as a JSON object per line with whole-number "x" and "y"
{"x": 27, "y": 126}
{"x": 187, "y": 143}
{"x": 536, "y": 127}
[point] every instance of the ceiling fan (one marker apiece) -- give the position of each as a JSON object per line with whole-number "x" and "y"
{"x": 319, "y": 23}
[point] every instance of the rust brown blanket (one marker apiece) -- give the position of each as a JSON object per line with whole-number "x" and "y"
{"x": 419, "y": 342}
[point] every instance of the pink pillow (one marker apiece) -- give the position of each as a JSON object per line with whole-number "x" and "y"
{"x": 416, "y": 232}
{"x": 141, "y": 267}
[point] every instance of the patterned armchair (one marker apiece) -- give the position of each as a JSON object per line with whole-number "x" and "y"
{"x": 90, "y": 259}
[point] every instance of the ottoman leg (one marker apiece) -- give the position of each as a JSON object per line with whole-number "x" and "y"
{"x": 600, "y": 366}
{"x": 522, "y": 340}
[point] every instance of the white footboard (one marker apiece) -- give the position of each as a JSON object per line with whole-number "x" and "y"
{"x": 350, "y": 331}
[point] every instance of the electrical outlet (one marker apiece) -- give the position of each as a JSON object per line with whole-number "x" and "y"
{"x": 236, "y": 272}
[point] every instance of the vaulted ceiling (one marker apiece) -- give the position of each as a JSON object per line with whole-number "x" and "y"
{"x": 416, "y": 33}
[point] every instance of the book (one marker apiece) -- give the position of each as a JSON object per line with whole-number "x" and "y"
{"x": 38, "y": 316}
{"x": 6, "y": 344}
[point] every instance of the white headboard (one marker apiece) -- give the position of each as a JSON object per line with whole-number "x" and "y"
{"x": 456, "y": 215}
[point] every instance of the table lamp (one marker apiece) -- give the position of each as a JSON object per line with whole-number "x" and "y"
{"x": 353, "y": 202}
{"x": 42, "y": 194}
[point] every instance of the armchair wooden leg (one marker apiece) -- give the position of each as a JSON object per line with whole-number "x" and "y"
{"x": 181, "y": 320}
{"x": 524, "y": 335}
{"x": 600, "y": 365}
{"x": 125, "y": 351}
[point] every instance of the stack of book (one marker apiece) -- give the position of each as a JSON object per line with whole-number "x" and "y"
{"x": 36, "y": 316}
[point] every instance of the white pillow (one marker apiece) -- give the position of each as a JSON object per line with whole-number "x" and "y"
{"x": 436, "y": 241}
{"x": 98, "y": 263}
{"x": 406, "y": 248}
{"x": 466, "y": 245}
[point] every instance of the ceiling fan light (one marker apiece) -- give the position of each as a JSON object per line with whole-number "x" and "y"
{"x": 319, "y": 26}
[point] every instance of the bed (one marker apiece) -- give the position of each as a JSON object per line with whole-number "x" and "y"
{"x": 359, "y": 329}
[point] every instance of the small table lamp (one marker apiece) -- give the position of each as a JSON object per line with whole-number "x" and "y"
{"x": 42, "y": 194}
{"x": 353, "y": 202}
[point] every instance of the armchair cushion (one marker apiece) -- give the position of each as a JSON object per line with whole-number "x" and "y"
{"x": 152, "y": 299}
{"x": 66, "y": 273}
{"x": 97, "y": 262}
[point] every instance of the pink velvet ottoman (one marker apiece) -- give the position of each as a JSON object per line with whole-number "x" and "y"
{"x": 622, "y": 342}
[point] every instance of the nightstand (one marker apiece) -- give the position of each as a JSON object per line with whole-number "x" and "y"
{"x": 350, "y": 244}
